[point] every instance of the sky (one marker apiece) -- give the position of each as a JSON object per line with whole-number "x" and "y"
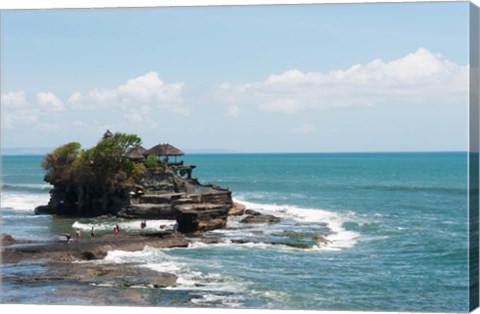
{"x": 285, "y": 78}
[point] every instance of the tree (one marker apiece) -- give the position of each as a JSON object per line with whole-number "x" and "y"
{"x": 59, "y": 163}
{"x": 103, "y": 165}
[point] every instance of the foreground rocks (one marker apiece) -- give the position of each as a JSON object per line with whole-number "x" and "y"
{"x": 116, "y": 275}
{"x": 6, "y": 239}
{"x": 55, "y": 261}
{"x": 86, "y": 249}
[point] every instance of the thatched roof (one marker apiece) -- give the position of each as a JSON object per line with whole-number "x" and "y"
{"x": 136, "y": 153}
{"x": 164, "y": 150}
{"x": 141, "y": 149}
{"x": 107, "y": 135}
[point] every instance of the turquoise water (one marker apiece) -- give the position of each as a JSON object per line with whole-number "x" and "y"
{"x": 396, "y": 226}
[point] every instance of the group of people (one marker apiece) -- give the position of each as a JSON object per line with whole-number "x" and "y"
{"x": 77, "y": 235}
{"x": 116, "y": 231}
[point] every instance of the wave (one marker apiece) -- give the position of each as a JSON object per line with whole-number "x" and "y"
{"x": 130, "y": 225}
{"x": 32, "y": 188}
{"x": 23, "y": 201}
{"x": 280, "y": 247}
{"x": 338, "y": 238}
{"x": 216, "y": 288}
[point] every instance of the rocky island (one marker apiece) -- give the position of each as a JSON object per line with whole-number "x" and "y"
{"x": 119, "y": 177}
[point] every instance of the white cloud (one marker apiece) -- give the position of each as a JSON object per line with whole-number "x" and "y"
{"x": 50, "y": 103}
{"x": 14, "y": 100}
{"x": 307, "y": 128}
{"x": 147, "y": 89}
{"x": 417, "y": 78}
{"x": 136, "y": 101}
{"x": 17, "y": 111}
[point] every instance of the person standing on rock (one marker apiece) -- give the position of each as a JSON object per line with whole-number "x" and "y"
{"x": 67, "y": 235}
{"x": 143, "y": 225}
{"x": 115, "y": 231}
{"x": 92, "y": 234}
{"x": 77, "y": 234}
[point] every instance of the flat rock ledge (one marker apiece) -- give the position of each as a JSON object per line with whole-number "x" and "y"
{"x": 87, "y": 249}
{"x": 115, "y": 275}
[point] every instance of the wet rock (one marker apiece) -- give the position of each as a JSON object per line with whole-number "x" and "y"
{"x": 258, "y": 218}
{"x": 237, "y": 209}
{"x": 118, "y": 275}
{"x": 6, "y": 239}
{"x": 251, "y": 212}
{"x": 319, "y": 238}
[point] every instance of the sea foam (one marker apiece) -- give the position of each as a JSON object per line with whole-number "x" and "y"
{"x": 216, "y": 288}
{"x": 130, "y": 225}
{"x": 338, "y": 238}
{"x": 23, "y": 201}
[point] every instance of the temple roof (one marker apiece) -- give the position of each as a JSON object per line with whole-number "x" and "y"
{"x": 164, "y": 150}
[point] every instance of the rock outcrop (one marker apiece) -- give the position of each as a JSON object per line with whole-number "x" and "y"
{"x": 162, "y": 192}
{"x": 255, "y": 217}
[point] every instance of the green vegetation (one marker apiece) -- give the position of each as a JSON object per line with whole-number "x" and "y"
{"x": 151, "y": 161}
{"x": 59, "y": 163}
{"x": 102, "y": 165}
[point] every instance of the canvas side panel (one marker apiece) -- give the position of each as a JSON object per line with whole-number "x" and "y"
{"x": 473, "y": 155}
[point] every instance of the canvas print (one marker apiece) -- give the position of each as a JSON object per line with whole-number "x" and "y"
{"x": 294, "y": 157}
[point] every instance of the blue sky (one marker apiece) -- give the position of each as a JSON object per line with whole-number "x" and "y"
{"x": 373, "y": 77}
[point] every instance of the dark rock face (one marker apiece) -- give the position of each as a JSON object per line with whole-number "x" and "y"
{"x": 258, "y": 218}
{"x": 201, "y": 217}
{"x": 83, "y": 200}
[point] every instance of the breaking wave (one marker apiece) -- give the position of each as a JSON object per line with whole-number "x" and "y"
{"x": 338, "y": 237}
{"x": 23, "y": 201}
{"x": 215, "y": 288}
{"x": 130, "y": 225}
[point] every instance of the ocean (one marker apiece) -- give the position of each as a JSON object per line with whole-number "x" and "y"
{"x": 395, "y": 229}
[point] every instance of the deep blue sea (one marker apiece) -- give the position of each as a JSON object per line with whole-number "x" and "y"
{"x": 395, "y": 225}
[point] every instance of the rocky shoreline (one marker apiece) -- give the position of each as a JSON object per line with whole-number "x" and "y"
{"x": 73, "y": 262}
{"x": 79, "y": 268}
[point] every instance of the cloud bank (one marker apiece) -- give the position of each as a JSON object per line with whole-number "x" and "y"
{"x": 418, "y": 78}
{"x": 147, "y": 89}
{"x": 135, "y": 100}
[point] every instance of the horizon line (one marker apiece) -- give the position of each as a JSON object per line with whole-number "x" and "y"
{"x": 213, "y": 152}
